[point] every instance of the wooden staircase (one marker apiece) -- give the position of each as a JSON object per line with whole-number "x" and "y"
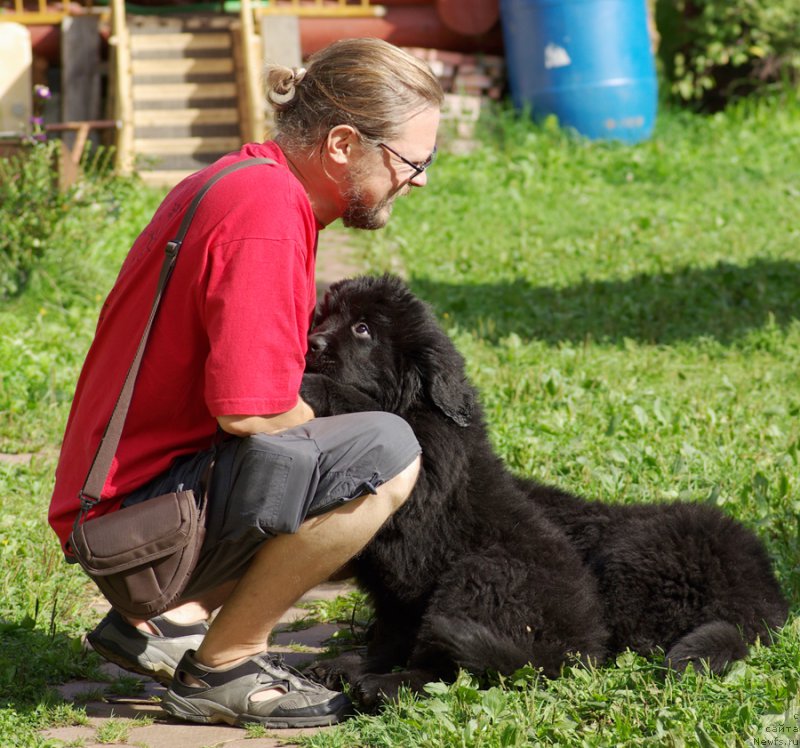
{"x": 184, "y": 94}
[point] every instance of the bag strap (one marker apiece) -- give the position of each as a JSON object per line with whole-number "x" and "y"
{"x": 101, "y": 465}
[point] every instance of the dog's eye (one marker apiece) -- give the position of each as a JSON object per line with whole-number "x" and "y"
{"x": 360, "y": 330}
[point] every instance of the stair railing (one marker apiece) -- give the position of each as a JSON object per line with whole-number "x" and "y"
{"x": 253, "y": 126}
{"x": 122, "y": 87}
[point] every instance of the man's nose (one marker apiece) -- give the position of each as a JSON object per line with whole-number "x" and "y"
{"x": 419, "y": 180}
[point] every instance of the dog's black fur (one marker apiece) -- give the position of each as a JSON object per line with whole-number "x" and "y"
{"x": 487, "y": 571}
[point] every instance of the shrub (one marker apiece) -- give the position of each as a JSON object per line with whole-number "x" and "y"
{"x": 31, "y": 207}
{"x": 717, "y": 50}
{"x": 37, "y": 219}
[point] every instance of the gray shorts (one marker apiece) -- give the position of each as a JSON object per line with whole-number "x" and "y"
{"x": 267, "y": 484}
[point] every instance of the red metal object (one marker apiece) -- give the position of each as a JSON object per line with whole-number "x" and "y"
{"x": 417, "y": 26}
{"x": 46, "y": 42}
{"x": 469, "y": 16}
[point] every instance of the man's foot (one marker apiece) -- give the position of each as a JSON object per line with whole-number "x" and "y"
{"x": 240, "y": 694}
{"x": 153, "y": 655}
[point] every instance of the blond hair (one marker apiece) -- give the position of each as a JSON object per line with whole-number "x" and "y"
{"x": 366, "y": 83}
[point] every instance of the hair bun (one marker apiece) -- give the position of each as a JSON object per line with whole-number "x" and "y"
{"x": 282, "y": 83}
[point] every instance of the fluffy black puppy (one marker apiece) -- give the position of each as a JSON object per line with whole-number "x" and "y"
{"x": 486, "y": 571}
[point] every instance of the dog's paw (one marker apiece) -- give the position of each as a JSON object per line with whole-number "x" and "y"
{"x": 373, "y": 690}
{"x": 338, "y": 672}
{"x": 315, "y": 389}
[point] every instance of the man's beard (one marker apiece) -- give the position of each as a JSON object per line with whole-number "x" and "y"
{"x": 359, "y": 215}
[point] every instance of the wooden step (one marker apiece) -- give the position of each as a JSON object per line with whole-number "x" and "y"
{"x": 164, "y": 177}
{"x": 196, "y": 116}
{"x": 186, "y": 42}
{"x": 183, "y": 66}
{"x": 178, "y": 24}
{"x": 181, "y": 92}
{"x": 184, "y": 95}
{"x": 170, "y": 146}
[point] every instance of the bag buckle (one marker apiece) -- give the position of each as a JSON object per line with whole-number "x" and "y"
{"x": 86, "y": 502}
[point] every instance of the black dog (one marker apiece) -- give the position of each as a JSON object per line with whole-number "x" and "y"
{"x": 486, "y": 571}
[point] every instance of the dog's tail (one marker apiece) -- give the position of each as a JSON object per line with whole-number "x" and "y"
{"x": 476, "y": 648}
{"x": 716, "y": 644}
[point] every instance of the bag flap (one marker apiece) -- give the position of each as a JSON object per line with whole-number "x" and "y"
{"x": 135, "y": 535}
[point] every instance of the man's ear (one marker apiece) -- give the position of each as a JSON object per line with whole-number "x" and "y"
{"x": 340, "y": 143}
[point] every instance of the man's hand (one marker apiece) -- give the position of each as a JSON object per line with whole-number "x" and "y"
{"x": 242, "y": 425}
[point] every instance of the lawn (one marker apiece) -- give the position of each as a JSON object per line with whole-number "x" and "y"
{"x": 631, "y": 316}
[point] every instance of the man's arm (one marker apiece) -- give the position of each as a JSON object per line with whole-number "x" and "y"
{"x": 243, "y": 425}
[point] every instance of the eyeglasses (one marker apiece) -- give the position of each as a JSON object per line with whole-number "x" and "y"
{"x": 419, "y": 167}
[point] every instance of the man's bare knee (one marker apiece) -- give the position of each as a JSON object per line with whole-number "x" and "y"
{"x": 399, "y": 488}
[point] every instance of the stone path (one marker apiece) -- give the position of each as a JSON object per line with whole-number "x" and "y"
{"x": 108, "y": 713}
{"x": 336, "y": 258}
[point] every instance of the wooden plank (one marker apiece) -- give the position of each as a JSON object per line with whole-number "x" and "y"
{"x": 182, "y": 66}
{"x": 194, "y": 116}
{"x": 251, "y": 56}
{"x": 186, "y": 41}
{"x": 242, "y": 106}
{"x": 186, "y": 145}
{"x": 164, "y": 177}
{"x": 80, "y": 72}
{"x": 182, "y": 91}
{"x": 120, "y": 69}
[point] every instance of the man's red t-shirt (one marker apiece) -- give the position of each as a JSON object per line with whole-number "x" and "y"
{"x": 229, "y": 339}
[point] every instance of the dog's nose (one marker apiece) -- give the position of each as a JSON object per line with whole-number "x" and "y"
{"x": 317, "y": 342}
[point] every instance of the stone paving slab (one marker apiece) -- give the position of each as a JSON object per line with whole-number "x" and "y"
{"x": 174, "y": 735}
{"x": 298, "y": 647}
{"x": 335, "y": 258}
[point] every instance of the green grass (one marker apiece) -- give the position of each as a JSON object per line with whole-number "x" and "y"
{"x": 44, "y": 335}
{"x": 631, "y": 316}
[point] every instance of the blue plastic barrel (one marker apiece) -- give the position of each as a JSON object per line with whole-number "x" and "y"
{"x": 589, "y": 62}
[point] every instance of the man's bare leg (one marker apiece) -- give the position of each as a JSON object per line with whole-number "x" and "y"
{"x": 287, "y": 566}
{"x": 366, "y": 522}
{"x": 193, "y": 611}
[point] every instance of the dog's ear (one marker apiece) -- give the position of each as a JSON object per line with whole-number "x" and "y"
{"x": 453, "y": 395}
{"x": 432, "y": 368}
{"x": 444, "y": 380}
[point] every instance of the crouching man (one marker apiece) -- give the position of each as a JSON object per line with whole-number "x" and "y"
{"x": 220, "y": 381}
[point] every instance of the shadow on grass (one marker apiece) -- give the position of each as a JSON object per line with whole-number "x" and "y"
{"x": 33, "y": 660}
{"x": 723, "y": 302}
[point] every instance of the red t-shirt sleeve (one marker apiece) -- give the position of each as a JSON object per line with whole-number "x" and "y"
{"x": 257, "y": 317}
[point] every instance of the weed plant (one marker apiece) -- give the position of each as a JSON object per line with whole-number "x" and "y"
{"x": 631, "y": 316}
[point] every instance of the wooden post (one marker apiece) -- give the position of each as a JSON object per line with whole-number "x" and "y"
{"x": 123, "y": 87}
{"x": 80, "y": 71}
{"x": 70, "y": 156}
{"x": 254, "y": 126}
